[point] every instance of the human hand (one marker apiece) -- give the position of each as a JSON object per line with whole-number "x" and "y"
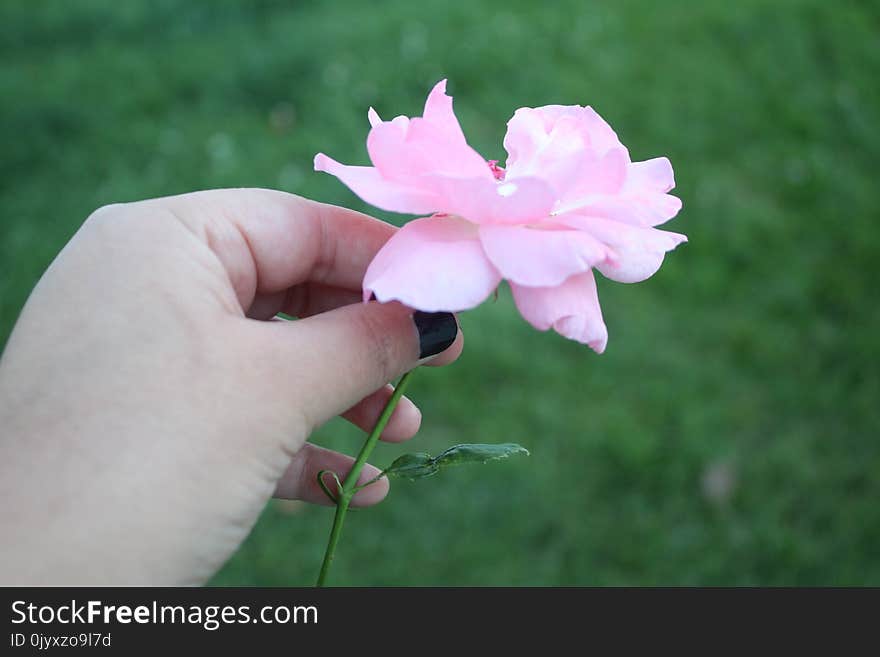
{"x": 150, "y": 404}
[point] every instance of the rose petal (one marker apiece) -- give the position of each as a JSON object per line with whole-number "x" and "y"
{"x": 602, "y": 135}
{"x": 529, "y": 130}
{"x": 432, "y": 264}
{"x": 368, "y": 183}
{"x": 520, "y": 201}
{"x": 638, "y": 251}
{"x": 554, "y": 157}
{"x": 572, "y": 309}
{"x": 654, "y": 175}
{"x": 433, "y": 144}
{"x": 651, "y": 209}
{"x": 438, "y": 111}
{"x": 538, "y": 257}
{"x": 596, "y": 176}
{"x": 525, "y": 134}
{"x": 571, "y": 148}
{"x": 643, "y": 200}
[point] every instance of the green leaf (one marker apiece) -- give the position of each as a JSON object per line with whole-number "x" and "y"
{"x": 413, "y": 466}
{"x": 478, "y": 453}
{"x": 421, "y": 465}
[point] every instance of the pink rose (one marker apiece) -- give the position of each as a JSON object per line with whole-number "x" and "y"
{"x": 570, "y": 199}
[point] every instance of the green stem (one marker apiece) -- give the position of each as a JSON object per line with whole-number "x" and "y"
{"x": 350, "y": 487}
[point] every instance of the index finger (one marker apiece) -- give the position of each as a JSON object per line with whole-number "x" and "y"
{"x": 269, "y": 241}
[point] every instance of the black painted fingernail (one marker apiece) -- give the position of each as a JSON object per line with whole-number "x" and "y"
{"x": 436, "y": 332}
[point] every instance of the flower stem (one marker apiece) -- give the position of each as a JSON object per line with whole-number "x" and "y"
{"x": 350, "y": 487}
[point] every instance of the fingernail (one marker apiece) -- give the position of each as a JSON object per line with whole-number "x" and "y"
{"x": 436, "y": 332}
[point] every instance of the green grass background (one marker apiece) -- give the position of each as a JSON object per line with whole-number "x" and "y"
{"x": 729, "y": 435}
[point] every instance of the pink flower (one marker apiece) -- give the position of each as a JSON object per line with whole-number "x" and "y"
{"x": 570, "y": 199}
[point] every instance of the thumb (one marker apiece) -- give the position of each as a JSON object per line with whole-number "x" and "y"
{"x": 328, "y": 362}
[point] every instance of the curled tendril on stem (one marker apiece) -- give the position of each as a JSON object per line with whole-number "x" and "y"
{"x": 326, "y": 490}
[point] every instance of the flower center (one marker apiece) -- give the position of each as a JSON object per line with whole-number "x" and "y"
{"x": 496, "y": 170}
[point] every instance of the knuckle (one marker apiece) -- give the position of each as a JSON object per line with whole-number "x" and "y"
{"x": 105, "y": 214}
{"x": 326, "y": 251}
{"x": 107, "y": 224}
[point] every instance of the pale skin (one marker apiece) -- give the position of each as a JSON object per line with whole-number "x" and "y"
{"x": 150, "y": 404}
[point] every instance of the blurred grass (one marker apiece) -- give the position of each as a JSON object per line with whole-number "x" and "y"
{"x": 729, "y": 435}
